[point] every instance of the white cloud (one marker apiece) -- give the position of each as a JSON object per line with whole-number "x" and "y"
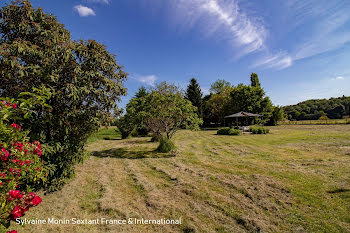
{"x": 99, "y": 1}
{"x": 146, "y": 79}
{"x": 279, "y": 61}
{"x": 222, "y": 20}
{"x": 84, "y": 11}
{"x": 338, "y": 78}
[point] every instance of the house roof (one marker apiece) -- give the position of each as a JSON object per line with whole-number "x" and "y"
{"x": 243, "y": 114}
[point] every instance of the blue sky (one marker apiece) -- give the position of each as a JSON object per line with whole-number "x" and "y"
{"x": 300, "y": 49}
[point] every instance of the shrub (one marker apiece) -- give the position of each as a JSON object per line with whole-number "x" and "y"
{"x": 165, "y": 145}
{"x": 234, "y": 132}
{"x": 229, "y": 131}
{"x": 223, "y": 131}
{"x": 259, "y": 130}
{"x": 21, "y": 167}
{"x": 85, "y": 80}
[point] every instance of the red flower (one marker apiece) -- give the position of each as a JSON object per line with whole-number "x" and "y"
{"x": 38, "y": 151}
{"x": 4, "y": 154}
{"x": 15, "y": 193}
{"x": 14, "y": 231}
{"x": 16, "y": 126}
{"x": 36, "y": 200}
{"x": 14, "y": 106}
{"x": 17, "y": 212}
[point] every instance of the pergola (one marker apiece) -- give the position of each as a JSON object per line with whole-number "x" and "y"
{"x": 242, "y": 115}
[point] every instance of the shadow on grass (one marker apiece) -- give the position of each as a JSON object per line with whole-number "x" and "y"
{"x": 111, "y": 139}
{"x": 209, "y": 129}
{"x": 339, "y": 190}
{"x": 138, "y": 141}
{"x": 121, "y": 153}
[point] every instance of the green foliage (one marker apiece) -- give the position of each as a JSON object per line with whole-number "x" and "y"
{"x": 254, "y": 80}
{"x": 166, "y": 110}
{"x": 323, "y": 118}
{"x": 218, "y": 105}
{"x": 165, "y": 145}
{"x": 229, "y": 131}
{"x": 133, "y": 121}
{"x": 277, "y": 115}
{"x": 226, "y": 99}
{"x": 223, "y": 131}
{"x": 84, "y": 79}
{"x": 194, "y": 94}
{"x": 251, "y": 99}
{"x": 125, "y": 127}
{"x": 219, "y": 85}
{"x": 104, "y": 133}
{"x": 21, "y": 167}
{"x": 142, "y": 92}
{"x": 259, "y": 130}
{"x": 333, "y": 108}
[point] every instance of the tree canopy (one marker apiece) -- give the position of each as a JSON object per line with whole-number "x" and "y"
{"x": 219, "y": 85}
{"x": 84, "y": 78}
{"x": 167, "y": 111}
{"x": 226, "y": 99}
{"x": 254, "y": 80}
{"x": 333, "y": 108}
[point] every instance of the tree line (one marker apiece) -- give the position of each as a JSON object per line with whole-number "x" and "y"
{"x": 225, "y": 99}
{"x": 333, "y": 108}
{"x": 164, "y": 109}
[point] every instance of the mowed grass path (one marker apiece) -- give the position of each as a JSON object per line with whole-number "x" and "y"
{"x": 295, "y": 179}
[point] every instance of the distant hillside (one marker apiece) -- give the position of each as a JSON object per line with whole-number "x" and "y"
{"x": 333, "y": 108}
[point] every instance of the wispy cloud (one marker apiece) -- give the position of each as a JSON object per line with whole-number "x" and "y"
{"x": 316, "y": 26}
{"x": 99, "y": 1}
{"x": 146, "y": 79}
{"x": 84, "y": 11}
{"x": 278, "y": 61}
{"x": 224, "y": 17}
{"x": 325, "y": 20}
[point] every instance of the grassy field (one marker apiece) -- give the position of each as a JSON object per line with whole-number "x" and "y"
{"x": 317, "y": 122}
{"x": 295, "y": 179}
{"x": 104, "y": 134}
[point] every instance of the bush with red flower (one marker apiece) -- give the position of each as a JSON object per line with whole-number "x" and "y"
{"x": 21, "y": 166}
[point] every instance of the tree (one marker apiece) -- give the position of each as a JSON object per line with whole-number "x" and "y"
{"x": 167, "y": 111}
{"x": 314, "y": 109}
{"x": 219, "y": 105}
{"x": 277, "y": 115}
{"x": 194, "y": 94}
{"x": 134, "y": 119}
{"x": 337, "y": 112}
{"x": 254, "y": 80}
{"x": 142, "y": 92}
{"x": 219, "y": 85}
{"x": 251, "y": 99}
{"x": 84, "y": 78}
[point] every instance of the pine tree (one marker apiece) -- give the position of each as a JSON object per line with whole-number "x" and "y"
{"x": 142, "y": 92}
{"x": 194, "y": 94}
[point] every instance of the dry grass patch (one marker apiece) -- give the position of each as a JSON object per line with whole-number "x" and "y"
{"x": 296, "y": 179}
